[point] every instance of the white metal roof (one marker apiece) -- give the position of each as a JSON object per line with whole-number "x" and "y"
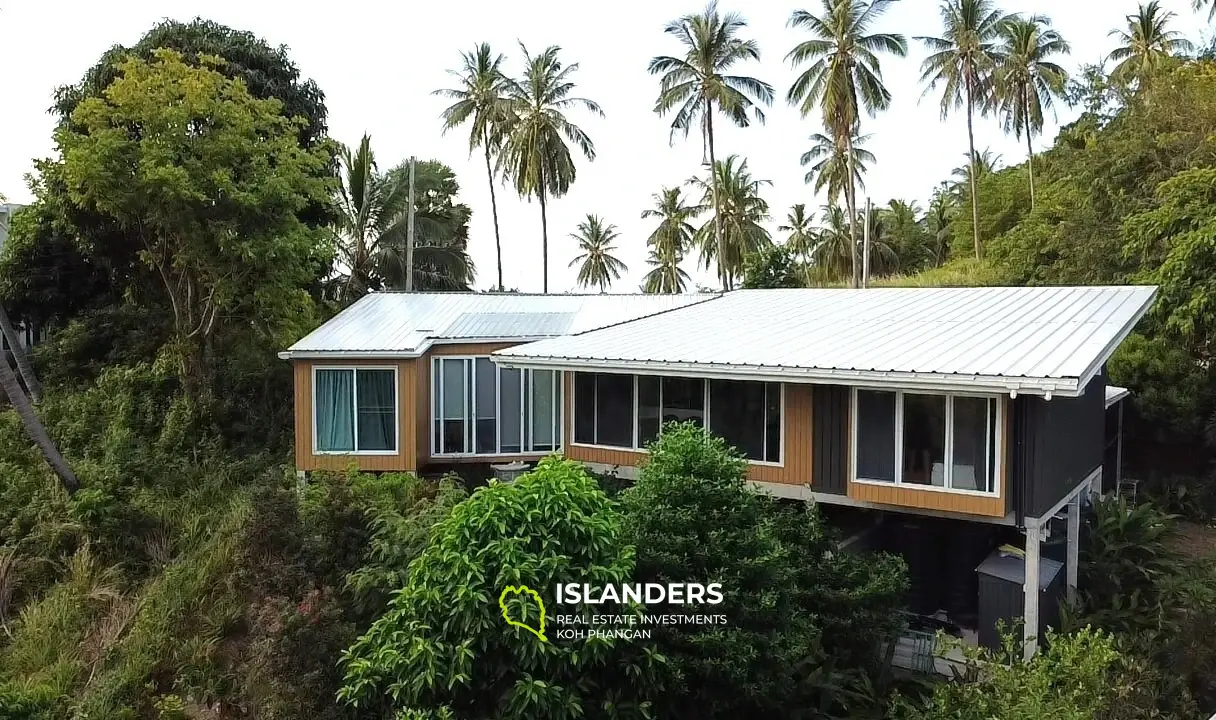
{"x": 393, "y": 324}
{"x": 1114, "y": 394}
{"x": 1040, "y": 340}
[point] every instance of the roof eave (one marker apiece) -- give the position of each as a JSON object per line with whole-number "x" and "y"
{"x": 406, "y": 354}
{"x": 945, "y": 382}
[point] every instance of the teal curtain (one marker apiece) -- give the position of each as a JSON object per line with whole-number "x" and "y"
{"x": 377, "y": 411}
{"x": 335, "y": 409}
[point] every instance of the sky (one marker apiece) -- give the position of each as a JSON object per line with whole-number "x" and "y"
{"x": 378, "y": 63}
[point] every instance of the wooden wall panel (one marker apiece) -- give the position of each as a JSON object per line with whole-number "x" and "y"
{"x": 406, "y": 386}
{"x": 913, "y": 497}
{"x": 795, "y": 470}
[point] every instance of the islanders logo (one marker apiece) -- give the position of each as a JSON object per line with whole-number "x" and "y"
{"x": 511, "y": 592}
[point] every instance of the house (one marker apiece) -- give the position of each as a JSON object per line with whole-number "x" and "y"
{"x": 960, "y": 419}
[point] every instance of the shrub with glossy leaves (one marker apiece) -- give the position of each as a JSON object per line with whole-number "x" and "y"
{"x": 443, "y": 648}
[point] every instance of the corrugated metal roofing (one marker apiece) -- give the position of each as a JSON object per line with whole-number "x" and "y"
{"x": 1114, "y": 394}
{"x": 405, "y": 324}
{"x": 1042, "y": 338}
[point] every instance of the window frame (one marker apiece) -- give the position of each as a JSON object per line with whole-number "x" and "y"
{"x": 998, "y": 445}
{"x": 435, "y": 390}
{"x": 355, "y": 400}
{"x": 637, "y": 448}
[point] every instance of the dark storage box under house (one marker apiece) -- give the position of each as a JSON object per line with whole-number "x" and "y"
{"x": 1001, "y": 579}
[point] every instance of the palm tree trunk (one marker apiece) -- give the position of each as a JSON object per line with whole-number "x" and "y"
{"x": 35, "y": 429}
{"x": 544, "y": 236}
{"x": 851, "y": 202}
{"x": 23, "y": 361}
{"x": 975, "y": 201}
{"x": 485, "y": 143}
{"x": 713, "y": 183}
{"x": 1029, "y": 150}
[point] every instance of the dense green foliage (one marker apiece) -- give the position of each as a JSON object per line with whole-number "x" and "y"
{"x": 443, "y": 645}
{"x": 805, "y": 624}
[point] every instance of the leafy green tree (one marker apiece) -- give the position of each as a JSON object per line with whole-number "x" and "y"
{"x": 596, "y": 264}
{"x": 443, "y": 644}
{"x": 775, "y": 266}
{"x": 535, "y": 154}
{"x": 211, "y": 184}
{"x": 480, "y": 101}
{"x": 669, "y": 242}
{"x": 787, "y": 597}
{"x": 1027, "y": 81}
{"x": 844, "y": 78}
{"x": 963, "y": 60}
{"x": 1145, "y": 45}
{"x": 694, "y": 85}
{"x": 840, "y": 169}
{"x": 741, "y": 215}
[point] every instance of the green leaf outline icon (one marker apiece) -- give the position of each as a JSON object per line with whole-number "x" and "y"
{"x": 515, "y": 590}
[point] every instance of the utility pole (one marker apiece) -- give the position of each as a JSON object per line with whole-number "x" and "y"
{"x": 865, "y": 246}
{"x": 409, "y": 233}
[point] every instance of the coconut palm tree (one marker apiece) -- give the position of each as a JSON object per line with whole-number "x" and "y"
{"x": 982, "y": 163}
{"x": 801, "y": 236}
{"x": 1145, "y": 44}
{"x": 884, "y": 260}
{"x": 597, "y": 265}
{"x": 535, "y": 153}
{"x": 963, "y": 60}
{"x": 1027, "y": 81}
{"x": 480, "y": 101}
{"x": 833, "y": 255}
{"x": 665, "y": 274}
{"x": 844, "y": 77}
{"x": 670, "y": 241}
{"x": 24, "y": 367}
{"x": 697, "y": 84}
{"x": 937, "y": 222}
{"x": 742, "y": 214}
{"x": 371, "y": 227}
{"x": 833, "y": 164}
{"x": 1200, "y": 4}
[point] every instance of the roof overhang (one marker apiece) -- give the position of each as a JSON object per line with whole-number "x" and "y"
{"x": 405, "y": 353}
{"x": 1114, "y": 394}
{"x": 937, "y": 382}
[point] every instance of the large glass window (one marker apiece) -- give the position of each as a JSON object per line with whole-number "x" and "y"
{"x": 747, "y": 415}
{"x": 609, "y": 407}
{"x": 945, "y": 441}
{"x": 355, "y": 410}
{"x": 479, "y": 408}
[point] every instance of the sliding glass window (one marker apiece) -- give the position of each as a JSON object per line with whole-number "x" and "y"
{"x": 355, "y": 410}
{"x": 479, "y": 408}
{"x": 930, "y": 440}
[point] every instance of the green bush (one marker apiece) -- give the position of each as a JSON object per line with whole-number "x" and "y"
{"x": 804, "y": 624}
{"x": 443, "y": 646}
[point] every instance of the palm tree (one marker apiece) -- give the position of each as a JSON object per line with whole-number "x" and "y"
{"x": 834, "y": 166}
{"x": 697, "y": 83}
{"x": 742, "y": 212}
{"x": 370, "y": 208}
{"x": 26, "y": 370}
{"x": 535, "y": 154}
{"x": 937, "y": 222}
{"x": 665, "y": 275}
{"x": 1027, "y": 82}
{"x": 801, "y": 236}
{"x": 963, "y": 59}
{"x": 670, "y": 241}
{"x": 371, "y": 227}
{"x": 1145, "y": 44}
{"x": 844, "y": 76}
{"x": 905, "y": 233}
{"x": 1199, "y": 5}
{"x": 480, "y": 100}
{"x": 35, "y": 429}
{"x": 983, "y": 163}
{"x": 597, "y": 265}
{"x": 833, "y": 255}
{"x": 884, "y": 260}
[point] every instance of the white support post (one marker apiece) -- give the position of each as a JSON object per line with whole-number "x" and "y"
{"x": 1074, "y": 545}
{"x": 1030, "y": 610}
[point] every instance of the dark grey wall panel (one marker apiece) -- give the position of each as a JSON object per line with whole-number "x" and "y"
{"x": 830, "y": 438}
{"x": 1058, "y": 443}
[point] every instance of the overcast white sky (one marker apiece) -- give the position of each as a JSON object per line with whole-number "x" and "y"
{"x": 378, "y": 62}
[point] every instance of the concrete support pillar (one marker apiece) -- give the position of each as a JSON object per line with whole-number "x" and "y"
{"x": 1074, "y": 546}
{"x": 1030, "y": 609}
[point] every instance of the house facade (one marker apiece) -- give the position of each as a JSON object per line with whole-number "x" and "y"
{"x": 979, "y": 408}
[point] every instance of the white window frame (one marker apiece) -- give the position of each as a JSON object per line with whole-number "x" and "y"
{"x": 998, "y": 446}
{"x": 355, "y": 400}
{"x": 525, "y": 405}
{"x": 637, "y": 447}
